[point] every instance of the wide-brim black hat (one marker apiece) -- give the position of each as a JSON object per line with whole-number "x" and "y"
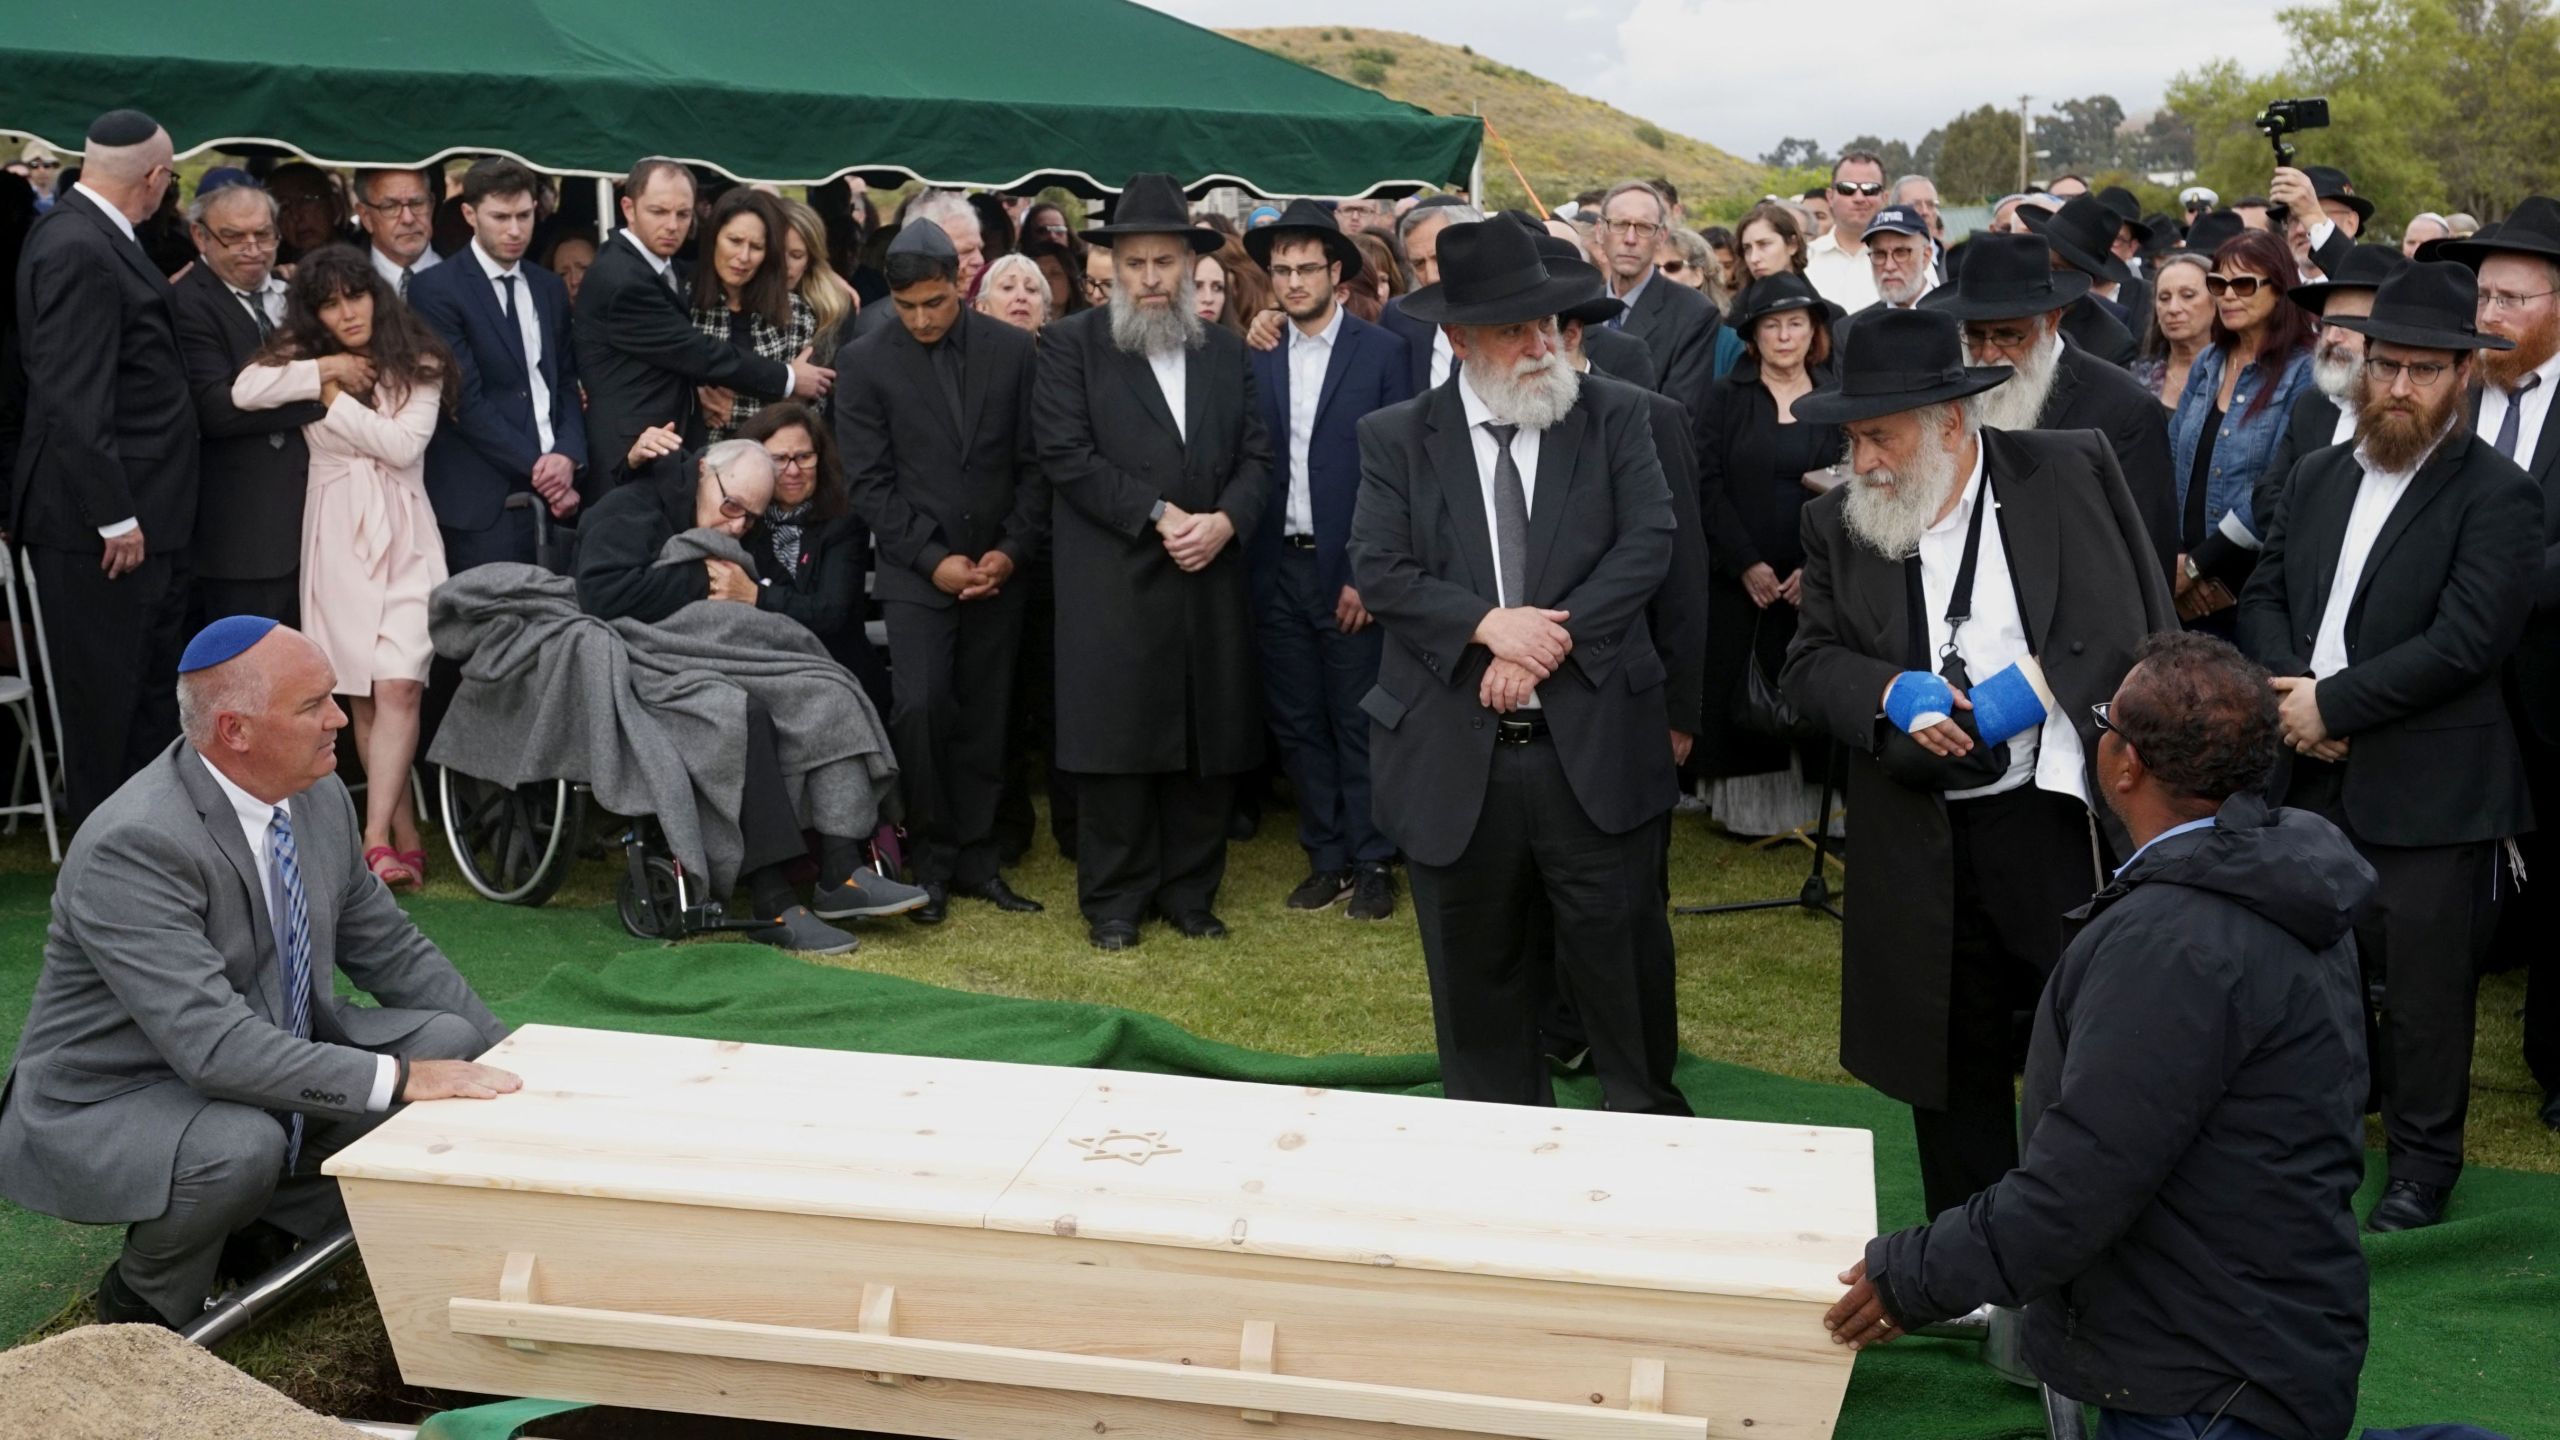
{"x": 2532, "y": 228}
{"x": 1902, "y": 360}
{"x": 2128, "y": 211}
{"x": 2083, "y": 233}
{"x": 1492, "y": 273}
{"x": 1152, "y": 204}
{"x": 2430, "y": 305}
{"x": 2007, "y": 277}
{"x": 2212, "y": 230}
{"x": 1305, "y": 217}
{"x": 2328, "y": 182}
{"x": 1564, "y": 261}
{"x": 1770, "y": 295}
{"x": 2365, "y": 268}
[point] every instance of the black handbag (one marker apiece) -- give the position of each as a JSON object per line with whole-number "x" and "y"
{"x": 1759, "y": 706}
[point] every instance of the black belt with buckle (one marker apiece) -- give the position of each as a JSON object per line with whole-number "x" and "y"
{"x": 1509, "y": 731}
{"x": 1299, "y": 542}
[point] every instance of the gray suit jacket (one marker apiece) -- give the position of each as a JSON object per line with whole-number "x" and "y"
{"x": 161, "y": 994}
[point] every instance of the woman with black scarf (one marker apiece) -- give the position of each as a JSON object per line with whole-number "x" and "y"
{"x": 811, "y": 550}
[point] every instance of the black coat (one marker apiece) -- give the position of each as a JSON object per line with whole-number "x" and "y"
{"x": 1601, "y": 538}
{"x": 2535, "y": 673}
{"x": 929, "y": 490}
{"x": 640, "y": 358}
{"x": 255, "y": 465}
{"x": 485, "y": 449}
{"x": 2439, "y": 608}
{"x": 1618, "y": 355}
{"x": 1418, "y": 338}
{"x": 619, "y": 541}
{"x": 1678, "y": 325}
{"x": 2092, "y": 327}
{"x": 2182, "y": 1216}
{"x": 1678, "y": 615}
{"x": 2089, "y": 394}
{"x": 1141, "y": 643}
{"x": 2077, "y": 549}
{"x": 824, "y": 591}
{"x": 111, "y": 418}
{"x": 2308, "y": 427}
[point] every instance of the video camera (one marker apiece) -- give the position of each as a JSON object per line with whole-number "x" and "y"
{"x": 2288, "y": 117}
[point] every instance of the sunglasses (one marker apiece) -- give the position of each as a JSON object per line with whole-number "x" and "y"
{"x": 2243, "y": 286}
{"x": 1857, "y": 187}
{"x": 1672, "y": 267}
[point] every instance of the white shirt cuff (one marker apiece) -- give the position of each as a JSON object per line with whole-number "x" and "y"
{"x": 2236, "y": 532}
{"x": 121, "y": 527}
{"x": 383, "y": 1080}
{"x": 2321, "y": 232}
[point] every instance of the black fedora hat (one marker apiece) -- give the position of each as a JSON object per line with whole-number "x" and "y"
{"x": 2083, "y": 233}
{"x": 1152, "y": 204}
{"x": 1564, "y": 261}
{"x": 1903, "y": 360}
{"x": 2007, "y": 277}
{"x": 2128, "y": 211}
{"x": 2430, "y": 305}
{"x": 2212, "y": 230}
{"x": 1491, "y": 273}
{"x": 2331, "y": 183}
{"x": 1770, "y": 295}
{"x": 2532, "y": 228}
{"x": 1305, "y": 217}
{"x": 2365, "y": 268}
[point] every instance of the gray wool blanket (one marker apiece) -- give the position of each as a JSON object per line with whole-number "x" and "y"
{"x": 652, "y": 718}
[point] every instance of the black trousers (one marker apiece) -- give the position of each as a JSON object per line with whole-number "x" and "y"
{"x": 1031, "y": 735}
{"x": 2527, "y": 928}
{"x": 951, "y": 670}
{"x": 2421, "y": 948}
{"x": 1313, "y": 678}
{"x": 1535, "y": 855}
{"x": 1150, "y": 841}
{"x": 2022, "y": 861}
{"x": 510, "y": 540}
{"x": 114, "y": 645}
{"x": 278, "y": 599}
{"x": 767, "y": 821}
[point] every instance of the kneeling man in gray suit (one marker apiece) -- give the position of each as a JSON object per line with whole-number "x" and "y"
{"x": 185, "y": 1067}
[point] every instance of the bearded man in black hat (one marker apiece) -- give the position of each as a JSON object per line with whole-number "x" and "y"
{"x": 1158, "y": 466}
{"x": 2083, "y": 235}
{"x": 1512, "y": 528}
{"x": 2393, "y": 585}
{"x": 1961, "y": 552}
{"x": 2012, "y": 304}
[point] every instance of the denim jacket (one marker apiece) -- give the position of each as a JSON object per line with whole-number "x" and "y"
{"x": 2245, "y": 445}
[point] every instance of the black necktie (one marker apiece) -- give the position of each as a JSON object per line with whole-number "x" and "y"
{"x": 1510, "y": 517}
{"x": 946, "y": 369}
{"x": 258, "y": 311}
{"x": 404, "y": 282}
{"x": 2506, "y": 441}
{"x": 508, "y": 303}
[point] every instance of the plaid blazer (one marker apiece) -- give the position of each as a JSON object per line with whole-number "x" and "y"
{"x": 784, "y": 345}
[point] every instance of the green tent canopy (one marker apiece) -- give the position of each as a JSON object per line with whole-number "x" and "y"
{"x": 994, "y": 93}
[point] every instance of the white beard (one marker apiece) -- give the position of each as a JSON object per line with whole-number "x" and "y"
{"x": 1533, "y": 394}
{"x": 1901, "y": 296}
{"x": 1887, "y": 512}
{"x": 1141, "y": 331}
{"x": 2336, "y": 372}
{"x": 2018, "y": 402}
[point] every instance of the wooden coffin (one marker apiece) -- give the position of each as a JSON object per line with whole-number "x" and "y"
{"x": 1011, "y": 1252}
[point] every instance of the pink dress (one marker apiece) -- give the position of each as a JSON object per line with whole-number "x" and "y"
{"x": 370, "y": 548}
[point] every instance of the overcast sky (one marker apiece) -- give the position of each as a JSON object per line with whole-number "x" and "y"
{"x": 1741, "y": 74}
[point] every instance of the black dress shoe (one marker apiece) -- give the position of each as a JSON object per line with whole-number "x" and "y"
{"x": 252, "y": 1252}
{"x": 2408, "y": 1205}
{"x": 1113, "y": 935}
{"x": 1373, "y": 894}
{"x": 119, "y": 1305}
{"x": 936, "y": 907}
{"x": 1004, "y": 897}
{"x": 1321, "y": 888}
{"x": 1196, "y": 924}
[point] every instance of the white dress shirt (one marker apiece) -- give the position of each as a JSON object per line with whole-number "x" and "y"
{"x": 2340, "y": 433}
{"x": 1630, "y": 297}
{"x": 1443, "y": 359}
{"x": 255, "y": 816}
{"x": 1994, "y": 639}
{"x": 1309, "y": 355}
{"x": 2537, "y": 408}
{"x": 267, "y": 298}
{"x": 660, "y": 263}
{"x": 530, "y": 327}
{"x": 2376, "y": 495}
{"x": 1839, "y": 273}
{"x": 131, "y": 522}
{"x": 389, "y": 269}
{"x": 1488, "y": 452}
{"x": 1173, "y": 378}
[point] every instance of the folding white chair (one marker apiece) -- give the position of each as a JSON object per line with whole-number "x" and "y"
{"x": 17, "y": 696}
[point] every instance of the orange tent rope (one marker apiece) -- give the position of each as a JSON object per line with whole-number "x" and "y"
{"x": 1525, "y": 187}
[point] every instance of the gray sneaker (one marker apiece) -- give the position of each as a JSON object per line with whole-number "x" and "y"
{"x": 867, "y": 895}
{"x": 801, "y": 932}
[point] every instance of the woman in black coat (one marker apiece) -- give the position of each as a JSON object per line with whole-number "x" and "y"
{"x": 812, "y": 551}
{"x": 1752, "y": 459}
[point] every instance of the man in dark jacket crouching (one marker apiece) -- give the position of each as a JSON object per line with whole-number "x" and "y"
{"x": 2179, "y": 1225}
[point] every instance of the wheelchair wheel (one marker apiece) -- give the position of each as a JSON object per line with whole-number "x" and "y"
{"x": 659, "y": 915}
{"x": 513, "y": 844}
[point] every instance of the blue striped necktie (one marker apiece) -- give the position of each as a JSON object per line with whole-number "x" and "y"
{"x": 291, "y": 918}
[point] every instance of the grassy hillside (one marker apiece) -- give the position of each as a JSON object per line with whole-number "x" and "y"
{"x": 1563, "y": 142}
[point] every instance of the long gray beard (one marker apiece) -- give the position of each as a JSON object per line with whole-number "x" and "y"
{"x": 2335, "y": 371}
{"x": 1533, "y": 394}
{"x": 1889, "y": 521}
{"x": 2018, "y": 402}
{"x": 1901, "y": 296}
{"x": 1141, "y": 331}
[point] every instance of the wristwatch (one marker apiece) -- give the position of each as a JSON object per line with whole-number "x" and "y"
{"x": 2189, "y": 561}
{"x": 1155, "y": 514}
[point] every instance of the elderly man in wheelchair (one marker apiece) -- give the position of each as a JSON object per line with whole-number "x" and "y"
{"x": 655, "y": 682}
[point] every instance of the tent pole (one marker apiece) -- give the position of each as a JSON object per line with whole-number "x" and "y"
{"x": 604, "y": 209}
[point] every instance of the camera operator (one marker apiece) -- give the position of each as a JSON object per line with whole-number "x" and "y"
{"x": 2323, "y": 215}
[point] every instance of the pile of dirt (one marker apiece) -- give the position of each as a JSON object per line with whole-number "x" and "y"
{"x": 140, "y": 1382}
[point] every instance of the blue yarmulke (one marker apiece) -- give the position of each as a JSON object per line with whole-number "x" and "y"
{"x": 222, "y": 640}
{"x": 122, "y": 127}
{"x": 223, "y": 177}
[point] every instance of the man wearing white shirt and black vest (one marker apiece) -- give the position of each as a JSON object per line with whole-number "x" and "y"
{"x": 1961, "y": 551}
{"x": 186, "y": 1064}
{"x": 2393, "y": 587}
{"x": 1320, "y": 647}
{"x": 1511, "y": 531}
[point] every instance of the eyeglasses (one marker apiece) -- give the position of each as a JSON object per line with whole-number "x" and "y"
{"x": 794, "y": 460}
{"x": 730, "y": 505}
{"x": 1299, "y": 272}
{"x": 2422, "y": 375}
{"x": 44, "y": 164}
{"x": 2005, "y": 337}
{"x": 2242, "y": 286}
{"x": 242, "y": 239}
{"x": 2492, "y": 301}
{"x": 1857, "y": 187}
{"x": 1630, "y": 229}
{"x": 1097, "y": 290}
{"x": 1058, "y": 230}
{"x": 400, "y": 207}
{"x": 2106, "y": 724}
